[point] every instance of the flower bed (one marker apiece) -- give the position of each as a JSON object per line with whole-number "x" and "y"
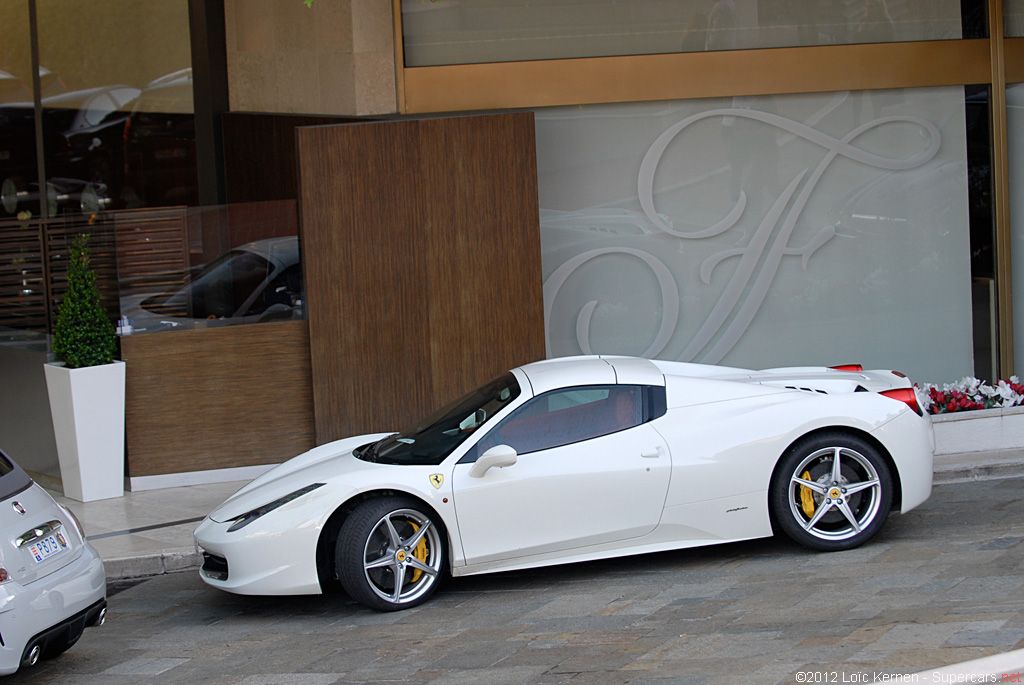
{"x": 970, "y": 394}
{"x": 971, "y": 415}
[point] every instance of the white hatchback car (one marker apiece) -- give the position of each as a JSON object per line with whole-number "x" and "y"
{"x": 52, "y": 583}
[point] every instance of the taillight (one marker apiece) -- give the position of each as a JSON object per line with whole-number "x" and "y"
{"x": 856, "y": 368}
{"x": 4, "y": 575}
{"x": 74, "y": 519}
{"x": 907, "y": 396}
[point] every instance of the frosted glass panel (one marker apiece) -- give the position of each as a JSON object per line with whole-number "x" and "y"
{"x": 1013, "y": 18}
{"x": 761, "y": 231}
{"x": 1015, "y": 152}
{"x": 474, "y": 31}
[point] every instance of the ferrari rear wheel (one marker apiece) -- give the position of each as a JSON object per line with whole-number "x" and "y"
{"x": 390, "y": 554}
{"x": 831, "y": 492}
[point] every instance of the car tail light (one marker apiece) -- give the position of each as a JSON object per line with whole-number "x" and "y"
{"x": 856, "y": 368}
{"x": 74, "y": 519}
{"x": 907, "y": 396}
{"x": 4, "y": 575}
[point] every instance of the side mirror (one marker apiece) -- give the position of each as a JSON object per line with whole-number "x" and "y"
{"x": 498, "y": 456}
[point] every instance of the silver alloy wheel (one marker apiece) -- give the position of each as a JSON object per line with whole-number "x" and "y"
{"x": 402, "y": 556}
{"x": 841, "y": 497}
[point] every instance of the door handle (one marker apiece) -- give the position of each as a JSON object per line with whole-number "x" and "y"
{"x": 652, "y": 453}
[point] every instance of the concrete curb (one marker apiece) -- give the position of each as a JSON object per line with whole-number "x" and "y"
{"x": 155, "y": 564}
{"x": 967, "y": 470}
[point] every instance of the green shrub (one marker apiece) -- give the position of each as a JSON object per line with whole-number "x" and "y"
{"x": 83, "y": 335}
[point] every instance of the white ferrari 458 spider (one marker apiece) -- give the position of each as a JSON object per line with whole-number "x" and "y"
{"x": 573, "y": 459}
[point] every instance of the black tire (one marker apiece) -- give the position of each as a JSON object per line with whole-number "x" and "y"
{"x": 821, "y": 509}
{"x": 388, "y": 538}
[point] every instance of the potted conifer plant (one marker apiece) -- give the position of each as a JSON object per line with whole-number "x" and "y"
{"x": 86, "y": 388}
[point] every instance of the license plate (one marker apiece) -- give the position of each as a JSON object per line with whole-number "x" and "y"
{"x": 47, "y": 547}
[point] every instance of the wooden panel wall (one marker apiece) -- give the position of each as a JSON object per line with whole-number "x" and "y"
{"x": 259, "y": 154}
{"x": 217, "y": 398}
{"x": 421, "y": 247}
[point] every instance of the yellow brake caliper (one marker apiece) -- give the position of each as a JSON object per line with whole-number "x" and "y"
{"x": 807, "y": 496}
{"x": 420, "y": 553}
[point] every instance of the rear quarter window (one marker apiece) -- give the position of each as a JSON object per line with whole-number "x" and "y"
{"x": 12, "y": 479}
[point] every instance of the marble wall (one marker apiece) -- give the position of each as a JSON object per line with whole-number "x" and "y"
{"x": 336, "y": 57}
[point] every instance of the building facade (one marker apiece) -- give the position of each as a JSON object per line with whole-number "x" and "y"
{"x": 746, "y": 182}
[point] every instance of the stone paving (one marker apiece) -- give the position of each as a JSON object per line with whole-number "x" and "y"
{"x": 939, "y": 586}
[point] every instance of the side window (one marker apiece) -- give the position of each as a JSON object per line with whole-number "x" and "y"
{"x": 562, "y": 417}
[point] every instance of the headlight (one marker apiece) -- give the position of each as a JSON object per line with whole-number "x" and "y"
{"x": 250, "y": 516}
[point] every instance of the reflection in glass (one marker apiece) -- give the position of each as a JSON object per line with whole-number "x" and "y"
{"x": 258, "y": 280}
{"x": 1013, "y": 18}
{"x": 19, "y": 174}
{"x": 469, "y": 32}
{"x": 758, "y": 232}
{"x": 1015, "y": 154}
{"x": 116, "y": 93}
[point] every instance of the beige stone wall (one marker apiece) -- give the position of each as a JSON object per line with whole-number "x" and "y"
{"x": 337, "y": 57}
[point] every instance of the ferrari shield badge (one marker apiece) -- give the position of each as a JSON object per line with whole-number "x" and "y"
{"x": 436, "y": 479}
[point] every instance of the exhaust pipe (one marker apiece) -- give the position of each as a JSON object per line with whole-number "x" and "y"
{"x": 32, "y": 657}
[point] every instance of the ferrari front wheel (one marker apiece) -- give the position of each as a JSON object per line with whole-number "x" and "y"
{"x": 831, "y": 491}
{"x": 390, "y": 554}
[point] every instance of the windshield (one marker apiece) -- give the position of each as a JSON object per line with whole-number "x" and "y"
{"x": 434, "y": 438}
{"x": 219, "y": 290}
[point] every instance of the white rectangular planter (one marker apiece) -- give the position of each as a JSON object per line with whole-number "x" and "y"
{"x": 87, "y": 407}
{"x": 985, "y": 430}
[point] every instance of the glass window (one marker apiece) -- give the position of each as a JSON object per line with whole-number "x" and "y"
{"x": 563, "y": 417}
{"x": 1013, "y": 18}
{"x": 12, "y": 479}
{"x": 1015, "y": 155}
{"x": 98, "y": 154}
{"x": 174, "y": 272}
{"x": 19, "y": 174}
{"x": 761, "y": 231}
{"x": 475, "y": 31}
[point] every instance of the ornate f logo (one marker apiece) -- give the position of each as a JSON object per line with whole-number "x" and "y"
{"x": 436, "y": 479}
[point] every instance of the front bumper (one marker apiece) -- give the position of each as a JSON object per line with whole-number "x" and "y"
{"x": 271, "y": 556}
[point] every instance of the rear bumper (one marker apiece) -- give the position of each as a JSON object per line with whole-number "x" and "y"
{"x": 54, "y": 608}
{"x": 910, "y": 442}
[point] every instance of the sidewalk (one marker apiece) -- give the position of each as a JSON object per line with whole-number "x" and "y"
{"x": 148, "y": 533}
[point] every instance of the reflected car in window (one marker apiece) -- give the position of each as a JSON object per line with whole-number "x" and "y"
{"x": 83, "y": 144}
{"x": 52, "y": 584}
{"x": 160, "y": 144}
{"x": 253, "y": 283}
{"x": 574, "y": 460}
